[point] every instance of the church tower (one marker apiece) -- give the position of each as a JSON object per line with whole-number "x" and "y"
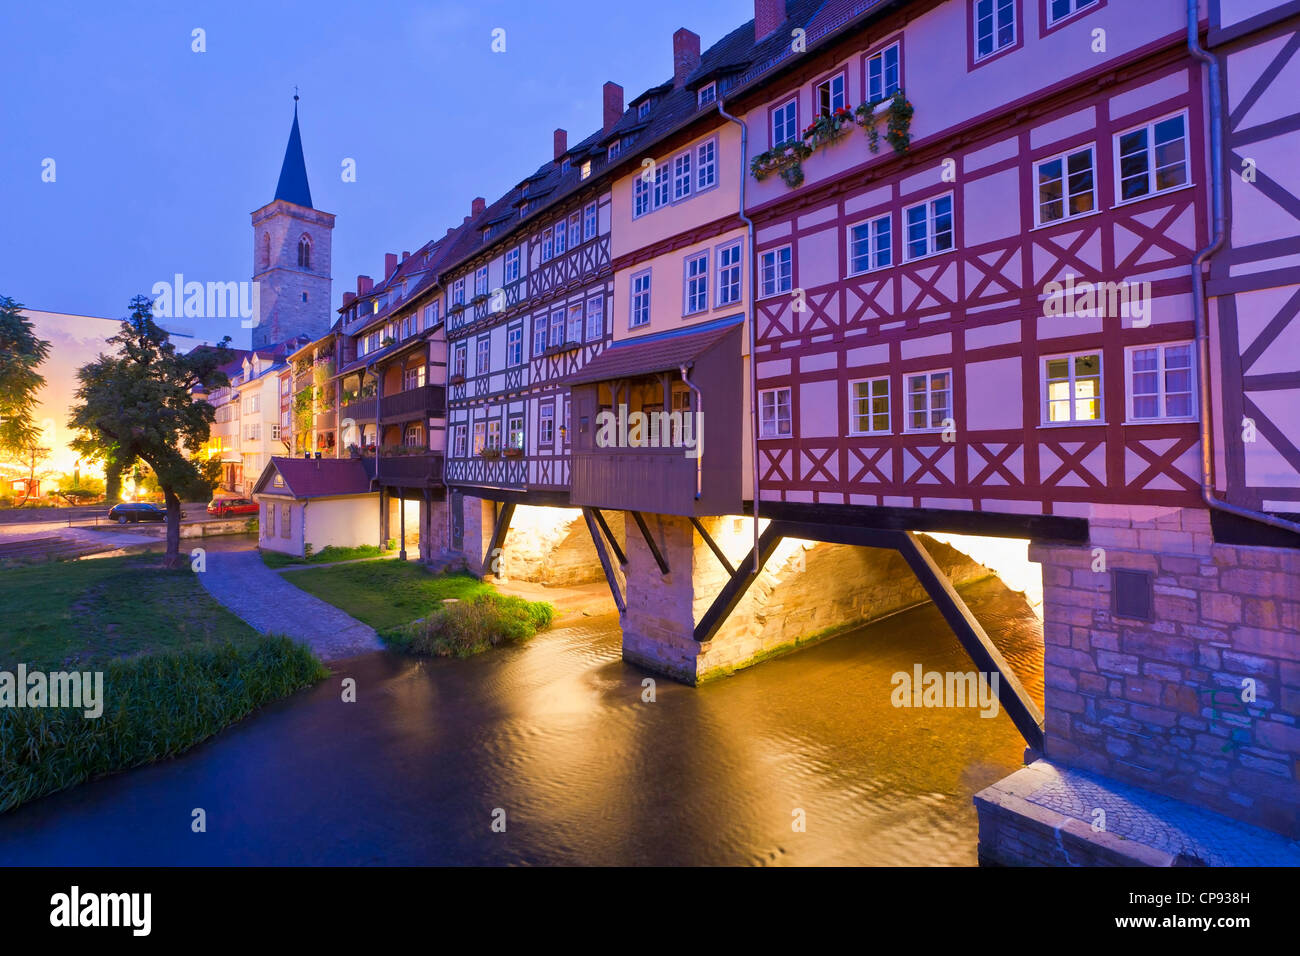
{"x": 291, "y": 255}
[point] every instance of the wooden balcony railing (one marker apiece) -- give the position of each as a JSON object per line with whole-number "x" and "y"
{"x": 425, "y": 401}
{"x": 411, "y": 471}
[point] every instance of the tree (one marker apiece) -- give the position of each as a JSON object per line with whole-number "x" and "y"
{"x": 138, "y": 404}
{"x": 21, "y": 353}
{"x": 31, "y": 458}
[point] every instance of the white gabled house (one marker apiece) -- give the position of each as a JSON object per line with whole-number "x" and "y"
{"x": 316, "y": 501}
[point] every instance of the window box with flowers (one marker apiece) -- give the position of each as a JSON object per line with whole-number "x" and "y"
{"x": 490, "y": 453}
{"x": 512, "y": 452}
{"x": 456, "y": 308}
{"x": 897, "y": 111}
{"x": 479, "y": 299}
{"x": 785, "y": 159}
{"x": 457, "y": 379}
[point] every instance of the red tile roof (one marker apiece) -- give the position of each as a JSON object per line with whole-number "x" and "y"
{"x": 667, "y": 351}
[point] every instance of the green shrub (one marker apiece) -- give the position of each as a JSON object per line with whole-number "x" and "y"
{"x": 155, "y": 707}
{"x": 473, "y": 626}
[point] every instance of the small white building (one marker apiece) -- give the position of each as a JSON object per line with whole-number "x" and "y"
{"x": 316, "y": 501}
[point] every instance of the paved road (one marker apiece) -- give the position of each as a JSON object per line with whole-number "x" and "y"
{"x": 240, "y": 581}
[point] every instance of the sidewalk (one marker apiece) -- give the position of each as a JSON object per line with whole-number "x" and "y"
{"x": 240, "y": 581}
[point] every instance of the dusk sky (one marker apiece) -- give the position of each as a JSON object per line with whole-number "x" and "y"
{"x": 161, "y": 153}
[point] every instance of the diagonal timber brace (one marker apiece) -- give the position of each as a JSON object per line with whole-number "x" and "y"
{"x": 603, "y": 554}
{"x": 650, "y": 543}
{"x": 713, "y": 545}
{"x": 499, "y": 532}
{"x": 613, "y": 542}
{"x": 738, "y": 584}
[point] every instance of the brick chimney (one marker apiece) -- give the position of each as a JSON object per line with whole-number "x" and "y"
{"x": 561, "y": 143}
{"x": 613, "y": 105}
{"x": 390, "y": 263}
{"x": 349, "y": 298}
{"x": 364, "y": 284}
{"x": 477, "y": 206}
{"x": 405, "y": 255}
{"x": 768, "y": 15}
{"x": 686, "y": 56}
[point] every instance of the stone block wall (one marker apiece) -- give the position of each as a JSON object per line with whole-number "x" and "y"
{"x": 552, "y": 546}
{"x": 1159, "y": 703}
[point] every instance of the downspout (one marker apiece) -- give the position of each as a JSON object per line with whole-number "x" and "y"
{"x": 699, "y": 435}
{"x": 1218, "y": 235}
{"x": 752, "y": 319}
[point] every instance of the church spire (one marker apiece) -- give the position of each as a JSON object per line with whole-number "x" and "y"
{"x": 292, "y": 186}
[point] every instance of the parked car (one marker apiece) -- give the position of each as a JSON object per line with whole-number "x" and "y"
{"x": 224, "y": 507}
{"x": 136, "y": 511}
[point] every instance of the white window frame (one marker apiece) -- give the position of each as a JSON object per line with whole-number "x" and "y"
{"x": 706, "y": 170}
{"x": 590, "y": 221}
{"x": 1151, "y": 169}
{"x": 1064, "y": 159}
{"x": 512, "y": 264}
{"x": 881, "y": 80}
{"x": 722, "y": 256}
{"x": 642, "y": 195}
{"x": 831, "y": 94}
{"x": 595, "y": 310}
{"x": 640, "y": 287}
{"x": 1044, "y": 406}
{"x": 482, "y": 351}
{"x": 575, "y": 229}
{"x": 514, "y": 346}
{"x": 515, "y": 435}
{"x": 481, "y": 281}
{"x": 793, "y": 121}
{"x": 458, "y": 291}
{"x": 575, "y": 322}
{"x": 774, "y": 432}
{"x": 539, "y": 334}
{"x": 1161, "y": 395}
{"x": 873, "y": 226}
{"x": 995, "y": 6}
{"x": 695, "y": 283}
{"x": 931, "y": 233}
{"x": 458, "y": 442}
{"x": 546, "y": 424}
{"x": 683, "y": 179}
{"x": 480, "y": 436}
{"x": 643, "y": 109}
{"x": 706, "y": 95}
{"x": 854, "y": 398}
{"x": 1076, "y": 7}
{"x": 556, "y": 326}
{"x": 561, "y": 230}
{"x": 764, "y": 266}
{"x": 930, "y": 407}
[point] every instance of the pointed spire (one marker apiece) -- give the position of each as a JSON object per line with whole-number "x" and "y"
{"x": 292, "y": 186}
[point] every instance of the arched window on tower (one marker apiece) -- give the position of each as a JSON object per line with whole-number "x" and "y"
{"x": 266, "y": 251}
{"x": 304, "y": 253}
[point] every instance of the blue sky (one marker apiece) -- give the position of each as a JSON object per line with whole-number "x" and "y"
{"x": 161, "y": 153}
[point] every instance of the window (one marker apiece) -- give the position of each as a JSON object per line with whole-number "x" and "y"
{"x": 775, "y": 269}
{"x": 565, "y": 430}
{"x": 458, "y": 292}
{"x": 480, "y": 436}
{"x": 829, "y": 95}
{"x": 869, "y": 407}
{"x": 560, "y": 234}
{"x": 512, "y": 264}
{"x": 548, "y": 245}
{"x": 431, "y": 315}
{"x": 304, "y": 297}
{"x": 494, "y": 433}
{"x": 546, "y": 425}
{"x": 565, "y": 165}
{"x": 458, "y": 362}
{"x": 483, "y": 355}
{"x": 413, "y": 377}
{"x": 584, "y": 171}
{"x": 589, "y": 222}
{"x": 870, "y": 245}
{"x": 539, "y": 335}
{"x": 929, "y": 227}
{"x": 643, "y": 110}
{"x": 641, "y": 195}
{"x": 662, "y": 186}
{"x": 1072, "y": 388}
{"x": 706, "y": 164}
{"x": 774, "y": 413}
{"x": 1153, "y": 158}
{"x": 929, "y": 400}
{"x": 883, "y": 78}
{"x": 481, "y": 281}
{"x": 615, "y": 148}
{"x": 995, "y": 26}
{"x": 515, "y": 431}
{"x": 640, "y": 300}
{"x": 706, "y": 95}
{"x": 1065, "y": 186}
{"x": 286, "y": 520}
{"x": 1161, "y": 385}
{"x": 785, "y": 122}
{"x": 682, "y": 176}
{"x": 697, "y": 283}
{"x": 1058, "y": 10}
{"x": 515, "y": 346}
{"x": 458, "y": 442}
{"x": 413, "y": 436}
{"x": 595, "y": 318}
{"x": 575, "y": 229}
{"x": 275, "y": 432}
{"x": 557, "y": 327}
{"x": 729, "y": 274}
{"x": 304, "y": 253}
{"x": 574, "y": 332}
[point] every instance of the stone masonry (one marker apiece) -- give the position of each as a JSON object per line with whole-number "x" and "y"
{"x": 1199, "y": 703}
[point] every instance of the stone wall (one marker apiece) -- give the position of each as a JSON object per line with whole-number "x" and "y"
{"x": 805, "y": 593}
{"x": 1159, "y": 703}
{"x": 553, "y": 546}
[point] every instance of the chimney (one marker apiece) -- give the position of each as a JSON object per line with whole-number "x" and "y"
{"x": 348, "y": 298}
{"x": 477, "y": 206}
{"x": 390, "y": 263}
{"x": 364, "y": 284}
{"x": 405, "y": 255}
{"x": 686, "y": 56}
{"x": 561, "y": 143}
{"x": 768, "y": 15}
{"x": 613, "y": 105}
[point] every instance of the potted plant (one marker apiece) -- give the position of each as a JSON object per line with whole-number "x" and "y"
{"x": 354, "y": 451}
{"x": 513, "y": 451}
{"x": 490, "y": 452}
{"x": 388, "y": 340}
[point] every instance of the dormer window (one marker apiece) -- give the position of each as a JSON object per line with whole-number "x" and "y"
{"x": 643, "y": 110}
{"x": 585, "y": 170}
{"x": 707, "y": 94}
{"x": 565, "y": 165}
{"x": 615, "y": 148}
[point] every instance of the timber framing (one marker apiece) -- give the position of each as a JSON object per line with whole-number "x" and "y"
{"x": 827, "y": 517}
{"x": 499, "y": 532}
{"x": 601, "y": 552}
{"x": 650, "y": 542}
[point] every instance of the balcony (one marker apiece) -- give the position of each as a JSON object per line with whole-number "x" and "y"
{"x": 326, "y": 420}
{"x": 427, "y": 401}
{"x": 411, "y": 471}
{"x": 359, "y": 409}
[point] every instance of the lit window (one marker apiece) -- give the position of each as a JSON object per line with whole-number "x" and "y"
{"x": 1072, "y": 388}
{"x": 869, "y": 407}
{"x": 1065, "y": 186}
{"x": 774, "y": 413}
{"x": 480, "y": 436}
{"x": 585, "y": 171}
{"x": 929, "y": 400}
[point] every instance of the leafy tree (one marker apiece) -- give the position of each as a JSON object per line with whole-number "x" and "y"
{"x": 138, "y": 404}
{"x": 31, "y": 458}
{"x": 21, "y": 353}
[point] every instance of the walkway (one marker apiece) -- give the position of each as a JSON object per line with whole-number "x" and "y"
{"x": 240, "y": 581}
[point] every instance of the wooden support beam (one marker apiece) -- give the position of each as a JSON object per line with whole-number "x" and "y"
{"x": 738, "y": 584}
{"x": 713, "y": 545}
{"x": 613, "y": 542}
{"x": 650, "y": 543}
{"x": 499, "y": 536}
{"x": 1020, "y": 707}
{"x": 604, "y": 559}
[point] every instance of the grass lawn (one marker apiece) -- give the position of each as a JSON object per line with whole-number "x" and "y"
{"x": 326, "y": 555}
{"x": 176, "y": 668}
{"x": 386, "y": 594}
